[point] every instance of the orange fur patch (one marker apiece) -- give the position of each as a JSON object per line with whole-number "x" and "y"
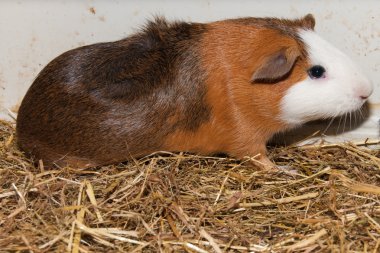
{"x": 244, "y": 115}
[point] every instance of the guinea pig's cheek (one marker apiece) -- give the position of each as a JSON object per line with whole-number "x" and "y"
{"x": 292, "y": 102}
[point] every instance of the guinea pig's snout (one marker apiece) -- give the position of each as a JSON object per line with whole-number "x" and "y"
{"x": 364, "y": 90}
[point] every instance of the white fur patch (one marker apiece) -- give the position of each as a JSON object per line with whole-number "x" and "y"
{"x": 337, "y": 93}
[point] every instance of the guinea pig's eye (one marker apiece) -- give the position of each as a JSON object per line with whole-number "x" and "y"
{"x": 316, "y": 72}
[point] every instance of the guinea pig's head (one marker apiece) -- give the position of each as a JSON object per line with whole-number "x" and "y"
{"x": 315, "y": 79}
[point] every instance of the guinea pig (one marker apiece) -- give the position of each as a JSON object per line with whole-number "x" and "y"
{"x": 221, "y": 87}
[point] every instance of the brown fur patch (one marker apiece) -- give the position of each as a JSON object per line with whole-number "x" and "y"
{"x": 109, "y": 101}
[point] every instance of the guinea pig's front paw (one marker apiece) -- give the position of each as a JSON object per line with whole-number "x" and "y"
{"x": 263, "y": 163}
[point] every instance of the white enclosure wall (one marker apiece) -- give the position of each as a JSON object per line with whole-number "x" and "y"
{"x": 33, "y": 32}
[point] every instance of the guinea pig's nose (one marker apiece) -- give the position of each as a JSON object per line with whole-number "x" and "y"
{"x": 364, "y": 90}
{"x": 365, "y": 94}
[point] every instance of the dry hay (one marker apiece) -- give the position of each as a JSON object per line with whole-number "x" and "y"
{"x": 324, "y": 199}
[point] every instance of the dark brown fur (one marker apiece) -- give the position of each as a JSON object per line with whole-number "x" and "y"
{"x": 162, "y": 88}
{"x": 105, "y": 102}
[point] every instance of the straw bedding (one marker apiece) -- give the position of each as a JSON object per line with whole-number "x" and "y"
{"x": 320, "y": 199}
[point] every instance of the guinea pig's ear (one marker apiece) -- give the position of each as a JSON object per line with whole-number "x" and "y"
{"x": 308, "y": 21}
{"x": 276, "y": 65}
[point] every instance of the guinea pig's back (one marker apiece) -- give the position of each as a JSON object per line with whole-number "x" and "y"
{"x": 106, "y": 102}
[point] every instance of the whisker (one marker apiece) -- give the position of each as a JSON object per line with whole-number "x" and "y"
{"x": 361, "y": 114}
{"x": 350, "y": 121}
{"x": 344, "y": 122}
{"x": 340, "y": 120}
{"x": 328, "y": 126}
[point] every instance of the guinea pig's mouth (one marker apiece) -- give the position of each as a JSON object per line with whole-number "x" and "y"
{"x": 346, "y": 103}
